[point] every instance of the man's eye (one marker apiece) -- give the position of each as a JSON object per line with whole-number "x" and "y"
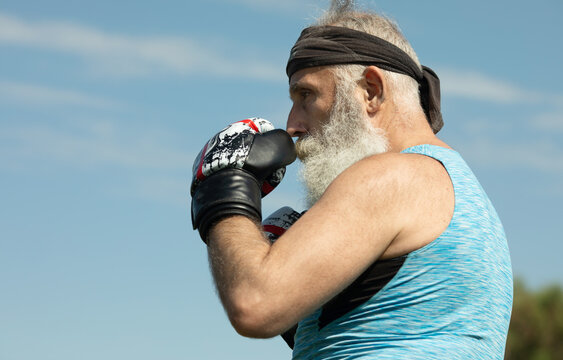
{"x": 304, "y": 94}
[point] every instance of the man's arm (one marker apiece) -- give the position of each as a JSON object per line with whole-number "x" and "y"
{"x": 266, "y": 289}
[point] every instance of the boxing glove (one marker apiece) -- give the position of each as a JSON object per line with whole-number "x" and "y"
{"x": 235, "y": 169}
{"x": 275, "y": 226}
{"x": 278, "y": 222}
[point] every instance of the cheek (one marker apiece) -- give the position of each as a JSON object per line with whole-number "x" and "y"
{"x": 322, "y": 112}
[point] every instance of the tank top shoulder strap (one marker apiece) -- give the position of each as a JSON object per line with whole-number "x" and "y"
{"x": 442, "y": 154}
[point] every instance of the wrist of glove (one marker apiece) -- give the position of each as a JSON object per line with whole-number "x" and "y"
{"x": 236, "y": 168}
{"x": 228, "y": 192}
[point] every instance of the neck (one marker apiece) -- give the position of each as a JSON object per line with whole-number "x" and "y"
{"x": 405, "y": 130}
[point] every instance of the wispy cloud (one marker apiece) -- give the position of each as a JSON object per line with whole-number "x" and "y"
{"x": 549, "y": 121}
{"x": 477, "y": 86}
{"x": 14, "y": 92}
{"x": 100, "y": 143}
{"x": 540, "y": 155}
{"x": 501, "y": 143}
{"x": 126, "y": 55}
{"x": 150, "y": 166}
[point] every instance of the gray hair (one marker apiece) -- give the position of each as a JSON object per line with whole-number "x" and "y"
{"x": 343, "y": 13}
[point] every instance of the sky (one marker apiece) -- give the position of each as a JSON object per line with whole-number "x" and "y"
{"x": 104, "y": 105}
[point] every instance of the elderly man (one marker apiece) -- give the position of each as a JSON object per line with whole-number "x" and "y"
{"x": 401, "y": 255}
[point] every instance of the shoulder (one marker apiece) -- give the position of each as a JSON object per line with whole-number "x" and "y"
{"x": 394, "y": 171}
{"x": 410, "y": 195}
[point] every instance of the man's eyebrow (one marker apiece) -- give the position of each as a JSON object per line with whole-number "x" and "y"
{"x": 294, "y": 88}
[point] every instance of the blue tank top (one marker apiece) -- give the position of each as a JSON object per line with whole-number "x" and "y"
{"x": 450, "y": 299}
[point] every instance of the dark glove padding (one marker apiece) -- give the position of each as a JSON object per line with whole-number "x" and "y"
{"x": 271, "y": 149}
{"x": 227, "y": 192}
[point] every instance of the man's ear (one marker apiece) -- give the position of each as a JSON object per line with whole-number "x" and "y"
{"x": 375, "y": 88}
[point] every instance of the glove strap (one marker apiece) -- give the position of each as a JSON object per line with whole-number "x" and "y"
{"x": 225, "y": 193}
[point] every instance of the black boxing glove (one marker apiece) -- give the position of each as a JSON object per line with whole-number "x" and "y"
{"x": 235, "y": 169}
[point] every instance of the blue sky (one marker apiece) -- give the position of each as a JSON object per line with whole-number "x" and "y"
{"x": 103, "y": 106}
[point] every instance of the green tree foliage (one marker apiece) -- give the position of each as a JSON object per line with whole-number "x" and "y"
{"x": 536, "y": 327}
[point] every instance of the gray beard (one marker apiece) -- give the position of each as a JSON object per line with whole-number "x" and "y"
{"x": 346, "y": 138}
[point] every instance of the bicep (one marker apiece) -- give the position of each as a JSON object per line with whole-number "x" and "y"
{"x": 336, "y": 240}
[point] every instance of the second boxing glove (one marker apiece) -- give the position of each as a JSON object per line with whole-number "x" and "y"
{"x": 275, "y": 226}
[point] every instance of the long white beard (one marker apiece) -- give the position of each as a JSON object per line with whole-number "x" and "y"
{"x": 346, "y": 138}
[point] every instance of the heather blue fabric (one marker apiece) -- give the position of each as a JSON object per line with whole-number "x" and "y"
{"x": 451, "y": 299}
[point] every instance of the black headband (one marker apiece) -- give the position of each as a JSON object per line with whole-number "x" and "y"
{"x": 334, "y": 45}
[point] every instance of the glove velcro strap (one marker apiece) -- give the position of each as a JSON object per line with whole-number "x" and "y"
{"x": 225, "y": 193}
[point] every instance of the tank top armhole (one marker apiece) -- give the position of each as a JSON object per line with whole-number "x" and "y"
{"x": 439, "y": 154}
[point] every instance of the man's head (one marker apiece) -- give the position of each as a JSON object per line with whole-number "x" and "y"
{"x": 354, "y": 81}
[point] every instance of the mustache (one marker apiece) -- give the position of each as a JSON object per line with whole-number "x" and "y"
{"x": 306, "y": 146}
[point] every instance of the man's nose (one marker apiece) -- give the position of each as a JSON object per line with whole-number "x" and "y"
{"x": 295, "y": 124}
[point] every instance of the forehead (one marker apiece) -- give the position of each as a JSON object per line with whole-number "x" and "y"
{"x": 316, "y": 77}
